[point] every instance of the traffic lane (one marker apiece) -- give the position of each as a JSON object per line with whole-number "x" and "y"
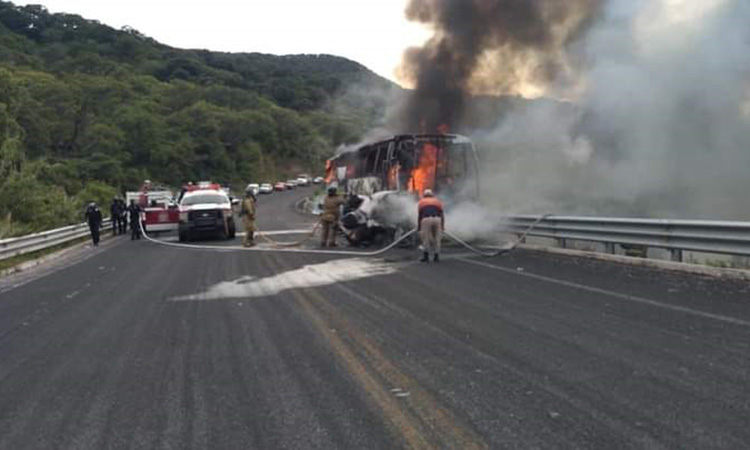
{"x": 710, "y": 295}
{"x": 373, "y": 367}
{"x": 278, "y": 211}
{"x": 123, "y": 364}
{"x": 385, "y": 333}
{"x": 520, "y": 365}
{"x": 59, "y": 289}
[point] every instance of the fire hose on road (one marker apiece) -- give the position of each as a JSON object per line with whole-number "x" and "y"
{"x": 278, "y": 244}
{"x": 283, "y": 247}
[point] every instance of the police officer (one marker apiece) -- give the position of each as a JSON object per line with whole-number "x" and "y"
{"x": 430, "y": 225}
{"x": 247, "y": 212}
{"x": 134, "y": 211}
{"x": 330, "y": 217}
{"x": 94, "y": 218}
{"x": 123, "y": 222}
{"x": 115, "y": 212}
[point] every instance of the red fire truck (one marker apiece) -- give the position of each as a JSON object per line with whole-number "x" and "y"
{"x": 161, "y": 213}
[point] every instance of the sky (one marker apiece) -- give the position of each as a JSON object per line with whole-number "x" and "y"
{"x": 371, "y": 32}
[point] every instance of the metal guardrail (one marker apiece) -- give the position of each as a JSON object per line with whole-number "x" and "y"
{"x": 39, "y": 241}
{"x": 706, "y": 236}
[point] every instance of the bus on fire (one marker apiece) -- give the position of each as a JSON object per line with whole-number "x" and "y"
{"x": 382, "y": 177}
{"x": 445, "y": 163}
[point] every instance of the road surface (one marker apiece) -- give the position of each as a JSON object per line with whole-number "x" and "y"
{"x": 137, "y": 345}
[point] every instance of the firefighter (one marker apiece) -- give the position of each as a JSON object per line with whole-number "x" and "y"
{"x": 115, "y": 212}
{"x": 330, "y": 218}
{"x": 94, "y": 218}
{"x": 430, "y": 225}
{"x": 247, "y": 212}
{"x": 134, "y": 211}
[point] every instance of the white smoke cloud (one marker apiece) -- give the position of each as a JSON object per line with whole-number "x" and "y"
{"x": 661, "y": 127}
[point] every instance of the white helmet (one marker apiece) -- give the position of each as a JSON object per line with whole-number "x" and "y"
{"x": 428, "y": 193}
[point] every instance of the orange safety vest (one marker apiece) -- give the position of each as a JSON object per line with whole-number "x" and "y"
{"x": 430, "y": 207}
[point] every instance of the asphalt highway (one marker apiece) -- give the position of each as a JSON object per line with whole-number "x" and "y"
{"x": 135, "y": 345}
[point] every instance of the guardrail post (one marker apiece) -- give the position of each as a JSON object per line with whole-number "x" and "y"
{"x": 676, "y": 254}
{"x": 609, "y": 247}
{"x": 562, "y": 242}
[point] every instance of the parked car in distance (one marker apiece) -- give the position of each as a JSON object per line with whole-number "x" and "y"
{"x": 303, "y": 180}
{"x": 280, "y": 186}
{"x": 254, "y": 186}
{"x": 291, "y": 184}
{"x": 317, "y": 180}
{"x": 265, "y": 188}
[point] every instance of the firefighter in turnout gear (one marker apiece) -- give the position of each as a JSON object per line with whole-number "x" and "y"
{"x": 247, "y": 213}
{"x": 330, "y": 218}
{"x": 430, "y": 225}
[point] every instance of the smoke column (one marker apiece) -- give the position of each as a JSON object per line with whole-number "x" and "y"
{"x": 484, "y": 46}
{"x": 641, "y": 107}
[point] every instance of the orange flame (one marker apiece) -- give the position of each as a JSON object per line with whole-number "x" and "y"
{"x": 423, "y": 176}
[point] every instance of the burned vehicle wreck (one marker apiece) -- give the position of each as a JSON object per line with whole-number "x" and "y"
{"x": 379, "y": 218}
{"x": 383, "y": 181}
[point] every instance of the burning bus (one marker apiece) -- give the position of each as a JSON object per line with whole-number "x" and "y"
{"x": 382, "y": 177}
{"x": 445, "y": 163}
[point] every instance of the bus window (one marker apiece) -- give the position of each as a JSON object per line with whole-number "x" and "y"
{"x": 378, "y": 167}
{"x": 372, "y": 160}
{"x": 456, "y": 167}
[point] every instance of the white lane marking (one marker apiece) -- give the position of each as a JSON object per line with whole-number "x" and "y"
{"x": 331, "y": 272}
{"x": 632, "y": 298}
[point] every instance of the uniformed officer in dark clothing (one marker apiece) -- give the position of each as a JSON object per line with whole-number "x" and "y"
{"x": 94, "y": 218}
{"x": 134, "y": 211}
{"x": 123, "y": 216}
{"x": 115, "y": 211}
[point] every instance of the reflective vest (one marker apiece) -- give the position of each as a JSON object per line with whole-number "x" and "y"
{"x": 430, "y": 207}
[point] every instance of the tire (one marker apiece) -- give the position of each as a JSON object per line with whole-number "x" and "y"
{"x": 232, "y": 231}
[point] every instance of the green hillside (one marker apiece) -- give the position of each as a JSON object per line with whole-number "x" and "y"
{"x": 87, "y": 111}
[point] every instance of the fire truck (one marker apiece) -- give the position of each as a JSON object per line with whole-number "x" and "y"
{"x": 159, "y": 206}
{"x": 205, "y": 208}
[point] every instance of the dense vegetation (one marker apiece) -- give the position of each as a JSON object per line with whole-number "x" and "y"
{"x": 87, "y": 111}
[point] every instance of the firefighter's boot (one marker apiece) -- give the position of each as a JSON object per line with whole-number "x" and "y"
{"x": 425, "y": 257}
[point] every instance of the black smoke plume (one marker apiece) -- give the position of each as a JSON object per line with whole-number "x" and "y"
{"x": 484, "y": 47}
